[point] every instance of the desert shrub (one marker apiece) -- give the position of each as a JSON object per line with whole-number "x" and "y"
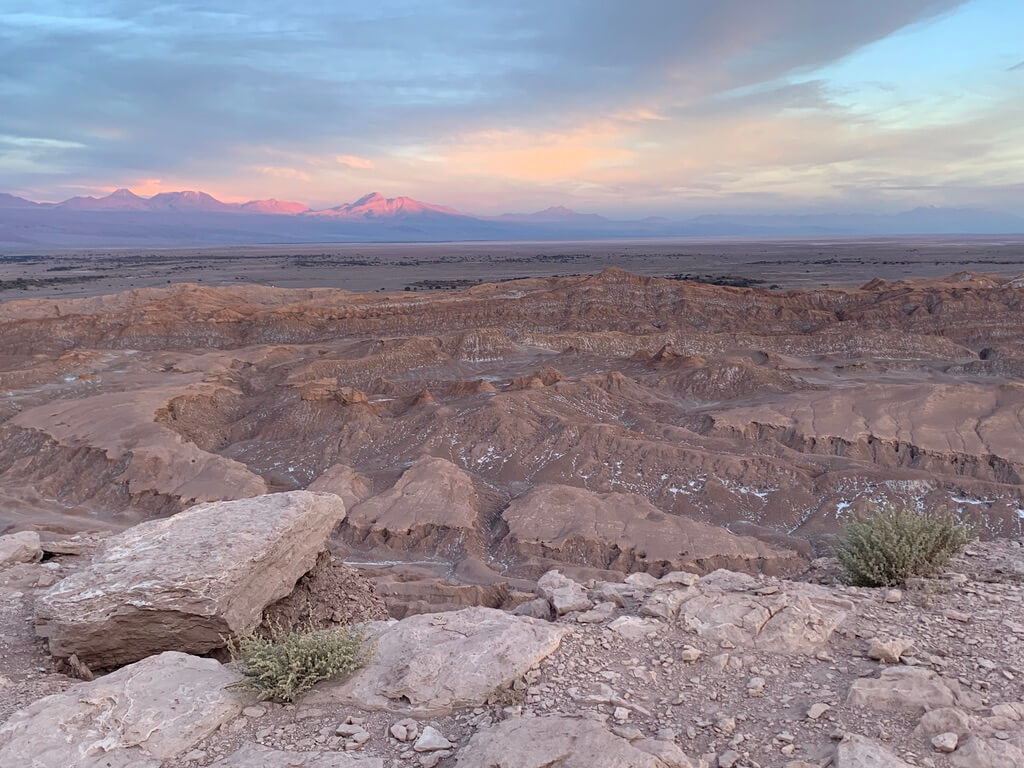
{"x": 283, "y": 664}
{"x": 896, "y": 543}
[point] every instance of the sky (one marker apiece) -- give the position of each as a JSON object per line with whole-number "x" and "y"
{"x": 649, "y": 107}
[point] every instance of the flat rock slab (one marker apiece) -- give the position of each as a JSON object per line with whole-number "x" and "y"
{"x": 430, "y": 664}
{"x": 136, "y": 717}
{"x": 550, "y": 742}
{"x": 910, "y": 689}
{"x": 801, "y": 621}
{"x": 184, "y": 582}
{"x": 258, "y": 756}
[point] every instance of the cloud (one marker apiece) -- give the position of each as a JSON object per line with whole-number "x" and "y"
{"x": 354, "y": 161}
{"x": 596, "y": 100}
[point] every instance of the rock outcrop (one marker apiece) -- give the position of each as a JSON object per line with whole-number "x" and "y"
{"x": 137, "y": 717}
{"x": 432, "y": 663}
{"x": 433, "y": 506}
{"x": 185, "y": 582}
{"x": 626, "y": 532}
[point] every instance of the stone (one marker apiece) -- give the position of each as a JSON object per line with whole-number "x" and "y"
{"x": 599, "y": 613}
{"x": 730, "y": 581}
{"x": 21, "y": 547}
{"x": 728, "y": 759}
{"x": 682, "y": 578}
{"x": 432, "y": 759}
{"x": 538, "y": 608}
{"x": 984, "y": 752}
{"x": 137, "y": 717}
{"x": 689, "y": 654}
{"x": 666, "y": 751}
{"x": 564, "y": 594}
{"x": 184, "y": 582}
{"x": 911, "y": 689}
{"x": 251, "y": 755}
{"x": 665, "y": 603}
{"x": 893, "y": 595}
{"x": 889, "y": 651}
{"x": 431, "y": 740}
{"x": 945, "y": 742}
{"x": 635, "y": 628}
{"x": 545, "y": 742}
{"x": 430, "y": 664}
{"x": 942, "y": 720}
{"x": 798, "y": 621}
{"x": 817, "y": 710}
{"x": 642, "y": 580}
{"x": 859, "y": 752}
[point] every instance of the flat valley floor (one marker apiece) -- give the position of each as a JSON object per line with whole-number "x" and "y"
{"x": 785, "y": 264}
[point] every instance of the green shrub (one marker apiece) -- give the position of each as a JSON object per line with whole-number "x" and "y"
{"x": 896, "y": 544}
{"x": 283, "y": 665}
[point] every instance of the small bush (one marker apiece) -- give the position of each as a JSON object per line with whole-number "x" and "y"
{"x": 283, "y": 665}
{"x": 896, "y": 544}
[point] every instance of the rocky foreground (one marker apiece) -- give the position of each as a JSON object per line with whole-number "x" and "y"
{"x": 722, "y": 670}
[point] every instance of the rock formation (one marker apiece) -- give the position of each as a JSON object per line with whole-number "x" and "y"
{"x": 185, "y": 582}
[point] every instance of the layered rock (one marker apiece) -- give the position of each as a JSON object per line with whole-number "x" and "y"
{"x": 137, "y": 717}
{"x": 432, "y": 507}
{"x": 185, "y": 582}
{"x": 626, "y": 532}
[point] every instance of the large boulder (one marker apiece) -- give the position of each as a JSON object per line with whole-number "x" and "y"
{"x": 565, "y": 742}
{"x": 430, "y": 664}
{"x": 251, "y": 755}
{"x": 184, "y": 582}
{"x": 625, "y": 532}
{"x": 136, "y": 717}
{"x": 22, "y": 547}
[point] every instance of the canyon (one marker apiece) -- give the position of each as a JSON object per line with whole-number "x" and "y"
{"x": 582, "y": 520}
{"x": 607, "y": 422}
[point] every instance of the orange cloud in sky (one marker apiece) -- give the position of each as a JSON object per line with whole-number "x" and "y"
{"x": 354, "y": 161}
{"x": 536, "y": 157}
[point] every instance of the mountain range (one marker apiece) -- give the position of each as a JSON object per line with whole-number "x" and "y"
{"x": 197, "y": 218}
